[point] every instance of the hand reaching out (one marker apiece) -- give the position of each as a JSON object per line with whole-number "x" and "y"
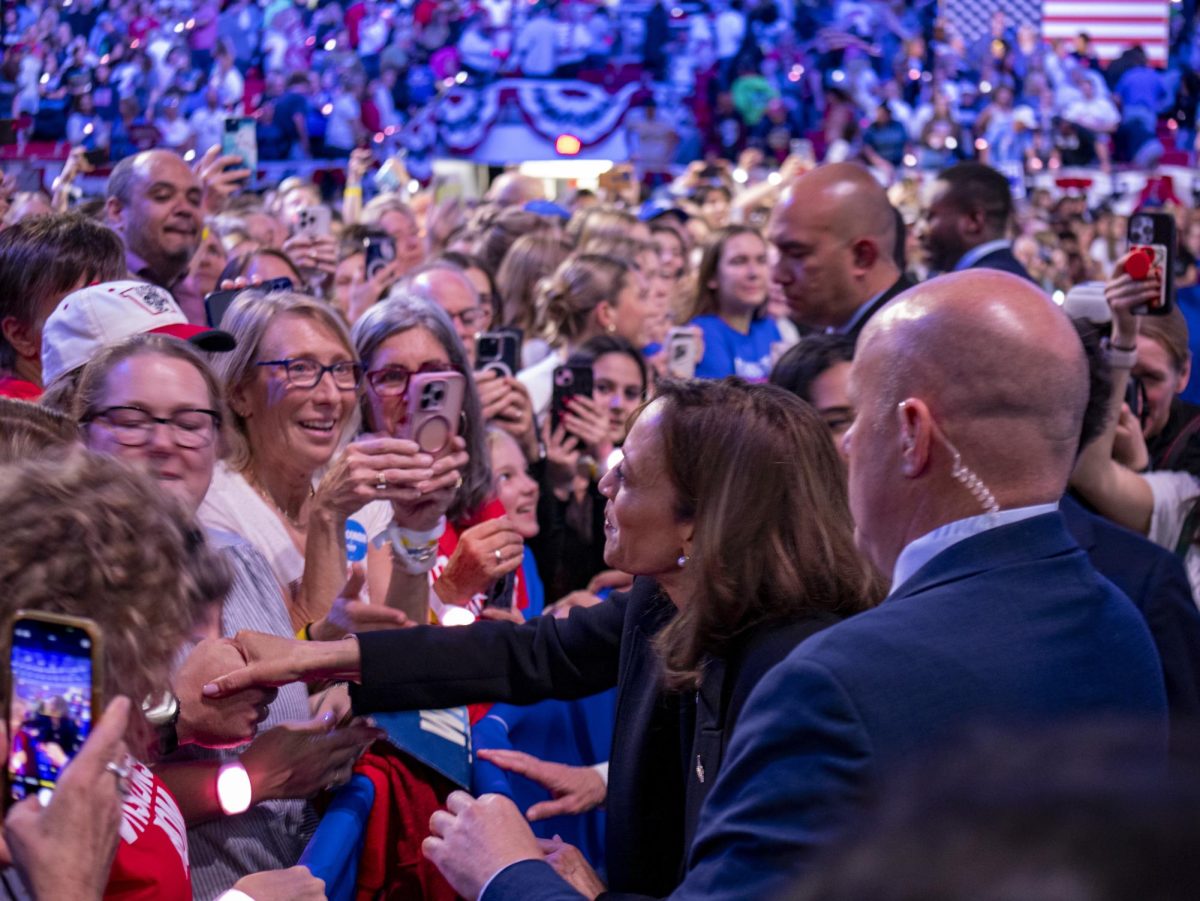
{"x": 574, "y": 789}
{"x": 351, "y": 615}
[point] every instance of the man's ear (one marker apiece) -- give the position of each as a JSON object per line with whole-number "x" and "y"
{"x": 915, "y": 435}
{"x": 114, "y": 214}
{"x": 24, "y": 338}
{"x": 974, "y": 221}
{"x": 1185, "y": 374}
{"x": 865, "y": 253}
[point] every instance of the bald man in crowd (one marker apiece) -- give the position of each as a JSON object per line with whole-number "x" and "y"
{"x": 970, "y": 391}
{"x": 449, "y": 287}
{"x": 836, "y": 235}
{"x": 514, "y": 189}
{"x": 155, "y": 204}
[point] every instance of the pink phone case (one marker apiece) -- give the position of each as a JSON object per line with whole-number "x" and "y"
{"x": 433, "y": 407}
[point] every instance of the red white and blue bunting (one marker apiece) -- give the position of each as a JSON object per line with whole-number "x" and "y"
{"x": 549, "y": 108}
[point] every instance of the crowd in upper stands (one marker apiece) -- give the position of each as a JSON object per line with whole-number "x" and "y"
{"x": 886, "y": 82}
{"x": 765, "y": 522}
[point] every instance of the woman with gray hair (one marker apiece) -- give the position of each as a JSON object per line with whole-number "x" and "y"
{"x": 298, "y": 485}
{"x": 472, "y": 544}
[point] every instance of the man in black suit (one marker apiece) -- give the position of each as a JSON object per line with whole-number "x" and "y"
{"x": 836, "y": 236}
{"x": 966, "y": 223}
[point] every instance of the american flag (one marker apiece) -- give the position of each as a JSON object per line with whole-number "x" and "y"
{"x": 1113, "y": 25}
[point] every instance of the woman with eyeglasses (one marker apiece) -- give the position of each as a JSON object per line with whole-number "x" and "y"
{"x": 152, "y": 402}
{"x": 295, "y": 485}
{"x": 460, "y": 535}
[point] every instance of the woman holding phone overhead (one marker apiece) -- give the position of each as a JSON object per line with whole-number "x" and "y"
{"x": 456, "y": 540}
{"x": 703, "y": 509}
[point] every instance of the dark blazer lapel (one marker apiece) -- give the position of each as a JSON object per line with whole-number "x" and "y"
{"x": 992, "y": 549}
{"x": 903, "y": 283}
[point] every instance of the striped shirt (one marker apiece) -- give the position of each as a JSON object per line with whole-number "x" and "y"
{"x": 271, "y": 834}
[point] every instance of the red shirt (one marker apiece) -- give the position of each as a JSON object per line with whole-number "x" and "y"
{"x": 152, "y": 858}
{"x": 11, "y": 386}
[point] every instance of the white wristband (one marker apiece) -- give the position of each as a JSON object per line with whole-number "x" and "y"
{"x": 1117, "y": 357}
{"x": 234, "y": 895}
{"x": 414, "y": 552}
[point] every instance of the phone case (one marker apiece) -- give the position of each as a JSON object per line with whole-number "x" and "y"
{"x": 241, "y": 139}
{"x": 569, "y": 381}
{"x": 1153, "y": 244}
{"x": 499, "y": 351}
{"x": 432, "y": 410}
{"x": 681, "y": 353}
{"x": 380, "y": 252}
{"x": 96, "y": 700}
{"x": 314, "y": 221}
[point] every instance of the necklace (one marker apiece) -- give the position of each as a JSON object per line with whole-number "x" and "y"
{"x": 294, "y": 522}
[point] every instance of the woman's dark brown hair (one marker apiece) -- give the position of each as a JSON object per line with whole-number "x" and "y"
{"x": 706, "y": 302}
{"x": 756, "y": 472}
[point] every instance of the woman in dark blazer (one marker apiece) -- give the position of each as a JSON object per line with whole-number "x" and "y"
{"x": 729, "y": 506}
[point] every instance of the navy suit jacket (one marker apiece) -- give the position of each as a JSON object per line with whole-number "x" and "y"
{"x": 1010, "y": 626}
{"x": 1156, "y": 582}
{"x": 1003, "y": 260}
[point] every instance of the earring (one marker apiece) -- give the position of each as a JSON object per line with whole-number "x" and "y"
{"x": 612, "y": 328}
{"x": 682, "y": 561}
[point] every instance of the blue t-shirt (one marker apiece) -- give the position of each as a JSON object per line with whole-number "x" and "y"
{"x": 729, "y": 352}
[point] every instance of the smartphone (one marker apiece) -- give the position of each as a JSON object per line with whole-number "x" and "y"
{"x": 1135, "y": 397}
{"x": 56, "y": 671}
{"x": 683, "y": 352}
{"x": 380, "y": 251}
{"x": 500, "y": 351}
{"x": 433, "y": 406}
{"x": 218, "y": 303}
{"x": 314, "y": 221}
{"x": 241, "y": 139}
{"x": 569, "y": 382}
{"x": 500, "y": 595}
{"x": 388, "y": 176}
{"x": 1152, "y": 245}
{"x": 98, "y": 158}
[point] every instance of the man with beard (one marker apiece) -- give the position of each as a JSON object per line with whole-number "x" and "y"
{"x": 154, "y": 204}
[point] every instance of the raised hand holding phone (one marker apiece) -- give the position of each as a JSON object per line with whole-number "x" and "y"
{"x": 56, "y": 672}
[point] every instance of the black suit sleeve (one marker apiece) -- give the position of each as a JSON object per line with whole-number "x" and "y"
{"x": 430, "y": 667}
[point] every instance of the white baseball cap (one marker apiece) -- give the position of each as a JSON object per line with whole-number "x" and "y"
{"x": 87, "y": 320}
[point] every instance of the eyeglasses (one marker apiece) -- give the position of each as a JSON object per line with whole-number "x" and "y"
{"x": 306, "y": 373}
{"x": 392, "y": 381}
{"x": 133, "y": 426}
{"x": 468, "y": 318}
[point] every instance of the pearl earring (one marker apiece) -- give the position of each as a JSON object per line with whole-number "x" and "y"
{"x": 682, "y": 561}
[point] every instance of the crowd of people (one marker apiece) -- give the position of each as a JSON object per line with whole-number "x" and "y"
{"x": 717, "y": 508}
{"x": 891, "y": 83}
